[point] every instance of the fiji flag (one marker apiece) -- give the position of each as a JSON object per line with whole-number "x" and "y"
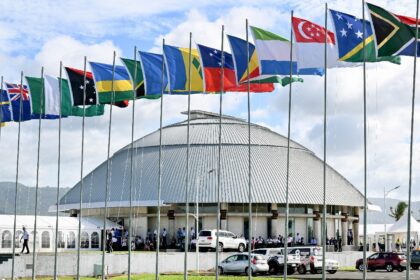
{"x": 177, "y": 60}
{"x": 5, "y": 110}
{"x": 15, "y": 92}
{"x": 103, "y": 75}
{"x": 349, "y": 35}
{"x": 151, "y": 64}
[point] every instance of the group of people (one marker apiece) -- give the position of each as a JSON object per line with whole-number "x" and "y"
{"x": 278, "y": 241}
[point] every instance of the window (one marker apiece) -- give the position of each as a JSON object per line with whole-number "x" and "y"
{"x": 242, "y": 257}
{"x": 45, "y": 240}
{"x": 6, "y": 239}
{"x": 60, "y": 242}
{"x": 95, "y": 240}
{"x": 84, "y": 240}
{"x": 71, "y": 240}
{"x": 232, "y": 259}
{"x": 373, "y": 257}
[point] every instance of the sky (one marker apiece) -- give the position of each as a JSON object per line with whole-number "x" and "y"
{"x": 44, "y": 32}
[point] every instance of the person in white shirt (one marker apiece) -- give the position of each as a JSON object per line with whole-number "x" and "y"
{"x": 25, "y": 237}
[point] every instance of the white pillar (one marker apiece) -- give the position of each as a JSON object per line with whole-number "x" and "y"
{"x": 356, "y": 227}
{"x": 344, "y": 225}
{"x": 274, "y": 221}
{"x": 223, "y": 216}
{"x": 317, "y": 225}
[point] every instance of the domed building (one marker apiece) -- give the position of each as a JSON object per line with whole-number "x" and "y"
{"x": 268, "y": 165}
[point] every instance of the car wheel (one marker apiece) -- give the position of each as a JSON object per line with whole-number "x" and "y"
{"x": 389, "y": 267}
{"x": 361, "y": 267}
{"x": 302, "y": 269}
{"x": 290, "y": 270}
{"x": 415, "y": 266}
{"x": 332, "y": 271}
{"x": 220, "y": 247}
{"x": 220, "y": 270}
{"x": 241, "y": 248}
{"x": 273, "y": 268}
{"x": 248, "y": 271}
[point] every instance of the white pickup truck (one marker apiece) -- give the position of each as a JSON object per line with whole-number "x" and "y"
{"x": 311, "y": 258}
{"x": 275, "y": 260}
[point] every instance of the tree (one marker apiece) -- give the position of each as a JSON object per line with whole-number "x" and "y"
{"x": 398, "y": 212}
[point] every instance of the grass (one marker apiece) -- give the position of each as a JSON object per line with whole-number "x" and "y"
{"x": 347, "y": 268}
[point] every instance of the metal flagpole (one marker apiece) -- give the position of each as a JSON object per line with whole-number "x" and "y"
{"x": 411, "y": 145}
{"x": 249, "y": 156}
{"x": 187, "y": 179}
{"x": 324, "y": 206}
{"x": 219, "y": 159}
{"x": 108, "y": 167}
{"x": 286, "y": 222}
{"x": 132, "y": 163}
{"x": 364, "y": 145}
{"x": 17, "y": 174}
{"x": 58, "y": 174}
{"x": 160, "y": 164}
{"x": 82, "y": 153}
{"x": 37, "y": 173}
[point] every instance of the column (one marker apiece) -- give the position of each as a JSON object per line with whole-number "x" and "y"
{"x": 171, "y": 224}
{"x": 317, "y": 225}
{"x": 356, "y": 227}
{"x": 274, "y": 221}
{"x": 223, "y": 216}
{"x": 344, "y": 224}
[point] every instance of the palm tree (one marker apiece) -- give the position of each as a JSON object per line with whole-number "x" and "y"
{"x": 399, "y": 210}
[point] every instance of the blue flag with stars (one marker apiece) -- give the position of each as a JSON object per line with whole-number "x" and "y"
{"x": 349, "y": 35}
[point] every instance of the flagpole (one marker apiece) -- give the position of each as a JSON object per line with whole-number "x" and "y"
{"x": 132, "y": 164}
{"x": 365, "y": 146}
{"x": 249, "y": 154}
{"x": 413, "y": 104}
{"x": 219, "y": 159}
{"x": 58, "y": 174}
{"x": 17, "y": 174}
{"x": 108, "y": 167}
{"x": 286, "y": 222}
{"x": 37, "y": 174}
{"x": 324, "y": 206}
{"x": 187, "y": 179}
{"x": 160, "y": 163}
{"x": 81, "y": 169}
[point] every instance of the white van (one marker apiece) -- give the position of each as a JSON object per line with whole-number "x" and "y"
{"x": 227, "y": 240}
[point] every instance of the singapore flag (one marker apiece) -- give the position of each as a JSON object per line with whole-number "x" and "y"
{"x": 310, "y": 44}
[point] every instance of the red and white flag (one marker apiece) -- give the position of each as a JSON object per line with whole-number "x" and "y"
{"x": 310, "y": 45}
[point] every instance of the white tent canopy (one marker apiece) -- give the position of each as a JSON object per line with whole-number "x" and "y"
{"x": 401, "y": 226}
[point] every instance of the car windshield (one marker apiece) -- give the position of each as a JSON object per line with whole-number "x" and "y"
{"x": 205, "y": 233}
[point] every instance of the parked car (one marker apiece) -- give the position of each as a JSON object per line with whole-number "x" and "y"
{"x": 311, "y": 260}
{"x": 276, "y": 261}
{"x": 267, "y": 253}
{"x": 238, "y": 263}
{"x": 387, "y": 260}
{"x": 227, "y": 240}
{"x": 415, "y": 259}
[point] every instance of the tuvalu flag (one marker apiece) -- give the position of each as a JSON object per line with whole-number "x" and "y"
{"x": 177, "y": 62}
{"x": 394, "y": 34}
{"x": 108, "y": 81}
{"x": 211, "y": 59}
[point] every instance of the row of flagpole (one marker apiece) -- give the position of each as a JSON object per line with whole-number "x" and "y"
{"x": 219, "y": 165}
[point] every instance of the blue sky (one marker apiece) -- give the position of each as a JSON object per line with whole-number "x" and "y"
{"x": 41, "y": 33}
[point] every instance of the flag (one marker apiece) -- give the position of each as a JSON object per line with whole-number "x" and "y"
{"x": 310, "y": 46}
{"x": 394, "y": 34}
{"x": 239, "y": 54}
{"x": 105, "y": 78}
{"x": 5, "y": 108}
{"x": 131, "y": 66}
{"x": 15, "y": 92}
{"x": 76, "y": 78}
{"x": 177, "y": 62}
{"x": 349, "y": 36}
{"x": 50, "y": 96}
{"x": 151, "y": 65}
{"x": 274, "y": 55}
{"x": 211, "y": 59}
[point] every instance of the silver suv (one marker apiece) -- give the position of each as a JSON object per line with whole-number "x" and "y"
{"x": 227, "y": 240}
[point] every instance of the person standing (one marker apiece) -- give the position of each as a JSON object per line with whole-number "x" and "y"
{"x": 164, "y": 234}
{"x": 110, "y": 241}
{"x": 25, "y": 237}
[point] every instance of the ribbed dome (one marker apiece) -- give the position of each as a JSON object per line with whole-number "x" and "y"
{"x": 268, "y": 157}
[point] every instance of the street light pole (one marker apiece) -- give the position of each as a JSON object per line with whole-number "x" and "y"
{"x": 385, "y": 195}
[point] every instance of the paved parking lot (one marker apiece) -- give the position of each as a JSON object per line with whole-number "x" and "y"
{"x": 358, "y": 275}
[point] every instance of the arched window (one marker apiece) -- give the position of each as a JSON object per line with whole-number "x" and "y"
{"x": 71, "y": 240}
{"x": 94, "y": 240}
{"x": 45, "y": 240}
{"x": 61, "y": 243}
{"x": 18, "y": 235}
{"x": 6, "y": 239}
{"x": 84, "y": 240}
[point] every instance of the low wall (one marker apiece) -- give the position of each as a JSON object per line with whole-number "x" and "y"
{"x": 141, "y": 262}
